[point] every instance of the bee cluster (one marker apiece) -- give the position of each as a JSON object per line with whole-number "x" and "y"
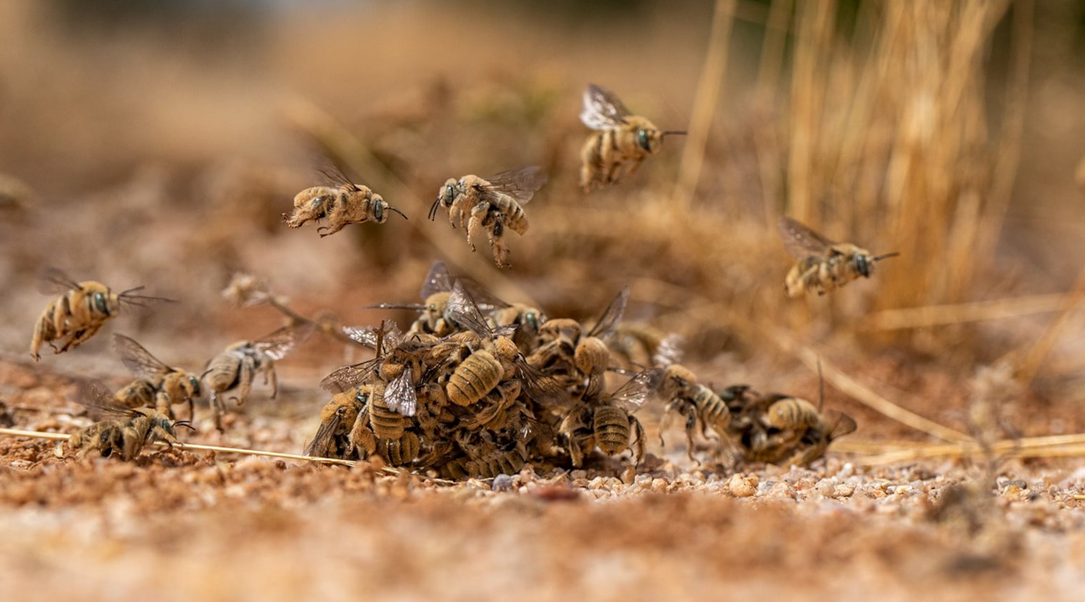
{"x": 477, "y": 388}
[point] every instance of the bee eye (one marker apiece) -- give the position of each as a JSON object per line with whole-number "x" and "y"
{"x": 378, "y": 211}
{"x": 862, "y": 266}
{"x": 643, "y": 141}
{"x": 450, "y": 195}
{"x": 532, "y": 320}
{"x": 100, "y": 303}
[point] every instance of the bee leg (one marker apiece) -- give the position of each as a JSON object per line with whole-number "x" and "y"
{"x": 638, "y": 439}
{"x": 219, "y": 409}
{"x": 479, "y": 218}
{"x": 80, "y": 337}
{"x": 245, "y": 378}
{"x": 270, "y": 373}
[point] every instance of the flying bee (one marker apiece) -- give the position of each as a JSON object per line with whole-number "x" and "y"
{"x": 337, "y": 417}
{"x": 238, "y": 365}
{"x": 621, "y": 140}
{"x": 494, "y": 205}
{"x": 79, "y": 312}
{"x": 698, "y": 403}
{"x": 120, "y": 430}
{"x": 346, "y": 203}
{"x": 607, "y": 421}
{"x": 822, "y": 265}
{"x": 172, "y": 386}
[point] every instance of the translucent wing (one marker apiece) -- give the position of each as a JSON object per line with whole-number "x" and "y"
{"x": 388, "y": 335}
{"x": 54, "y": 281}
{"x": 632, "y": 395}
{"x": 611, "y": 316}
{"x": 348, "y": 377}
{"x": 277, "y": 344}
{"x": 100, "y": 402}
{"x": 669, "y": 350}
{"x": 332, "y": 174}
{"x": 437, "y": 281}
{"x": 602, "y": 109}
{"x": 842, "y": 424}
{"x": 520, "y": 184}
{"x": 541, "y": 388}
{"x": 800, "y": 241}
{"x": 463, "y": 310}
{"x": 400, "y": 396}
{"x": 321, "y": 442}
{"x": 137, "y": 359}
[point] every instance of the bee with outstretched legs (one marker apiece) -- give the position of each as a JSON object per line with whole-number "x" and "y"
{"x": 171, "y": 386}
{"x": 342, "y": 204}
{"x": 823, "y": 265}
{"x": 120, "y": 431}
{"x": 79, "y": 312}
{"x": 493, "y": 204}
{"x": 238, "y": 365}
{"x": 337, "y": 419}
{"x": 621, "y": 140}
{"x": 700, "y": 406}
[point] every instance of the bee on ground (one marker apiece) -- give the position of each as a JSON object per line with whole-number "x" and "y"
{"x": 621, "y": 141}
{"x": 120, "y": 430}
{"x": 494, "y": 205}
{"x": 606, "y": 420}
{"x": 337, "y": 418}
{"x": 698, "y": 404}
{"x": 344, "y": 204}
{"x": 79, "y": 312}
{"x": 436, "y": 290}
{"x": 238, "y": 365}
{"x": 822, "y": 265}
{"x": 171, "y": 386}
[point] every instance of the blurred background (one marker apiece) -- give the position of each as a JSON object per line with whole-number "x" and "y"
{"x": 160, "y": 142}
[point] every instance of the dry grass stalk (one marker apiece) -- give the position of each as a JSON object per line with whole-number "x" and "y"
{"x": 705, "y": 105}
{"x": 1030, "y": 363}
{"x": 976, "y": 311}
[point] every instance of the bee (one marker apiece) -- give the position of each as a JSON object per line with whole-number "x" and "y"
{"x": 172, "y": 386}
{"x": 642, "y": 344}
{"x": 698, "y": 403}
{"x": 495, "y": 204}
{"x": 140, "y": 393}
{"x": 496, "y": 360}
{"x": 485, "y": 458}
{"x": 120, "y": 430}
{"x": 398, "y": 452}
{"x": 621, "y": 140}
{"x": 79, "y": 312}
{"x": 238, "y": 365}
{"x": 346, "y": 203}
{"x": 435, "y": 292}
{"x": 525, "y": 319}
{"x": 337, "y": 417}
{"x": 607, "y": 421}
{"x": 822, "y": 265}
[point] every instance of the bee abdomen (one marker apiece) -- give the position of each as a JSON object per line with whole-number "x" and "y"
{"x": 223, "y": 373}
{"x": 401, "y": 451}
{"x": 474, "y": 378}
{"x": 611, "y": 427}
{"x": 712, "y": 408}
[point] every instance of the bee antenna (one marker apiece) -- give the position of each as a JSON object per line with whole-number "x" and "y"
{"x": 886, "y": 256}
{"x": 391, "y": 208}
{"x": 433, "y": 209}
{"x": 131, "y": 290}
{"x": 185, "y": 423}
{"x": 673, "y": 133}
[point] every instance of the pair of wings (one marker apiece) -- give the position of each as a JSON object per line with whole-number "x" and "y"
{"x": 602, "y": 109}
{"x": 800, "y": 241}
{"x": 282, "y": 341}
{"x": 137, "y": 359}
{"x": 635, "y": 391}
{"x": 519, "y": 184}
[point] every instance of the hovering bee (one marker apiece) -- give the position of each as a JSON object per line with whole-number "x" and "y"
{"x": 435, "y": 292}
{"x": 120, "y": 430}
{"x": 79, "y": 312}
{"x": 621, "y": 141}
{"x": 494, "y": 204}
{"x": 607, "y": 421}
{"x": 823, "y": 265}
{"x": 347, "y": 203}
{"x": 238, "y": 365}
{"x": 172, "y": 386}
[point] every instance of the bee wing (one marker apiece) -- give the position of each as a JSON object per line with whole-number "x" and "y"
{"x": 800, "y": 241}
{"x": 369, "y": 336}
{"x": 277, "y": 344}
{"x": 669, "y": 351}
{"x": 437, "y": 281}
{"x": 100, "y": 402}
{"x": 611, "y": 316}
{"x": 463, "y": 310}
{"x": 632, "y": 395}
{"x": 401, "y": 396}
{"x": 137, "y": 359}
{"x": 842, "y": 424}
{"x": 540, "y": 388}
{"x": 324, "y": 433}
{"x": 602, "y": 109}
{"x": 332, "y": 174}
{"x": 520, "y": 184}
{"x": 348, "y": 377}
{"x": 53, "y": 281}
